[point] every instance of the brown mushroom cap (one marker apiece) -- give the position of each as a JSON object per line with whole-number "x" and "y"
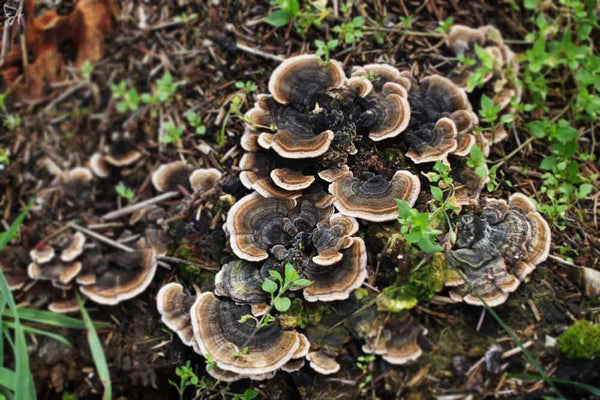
{"x": 171, "y": 176}
{"x": 443, "y": 141}
{"x": 174, "y": 306}
{"x": 257, "y": 225}
{"x": 293, "y": 365}
{"x": 63, "y": 273}
{"x": 229, "y": 376}
{"x": 128, "y": 274}
{"x": 381, "y": 74}
{"x": 289, "y": 179}
{"x": 391, "y": 115}
{"x": 99, "y": 166}
{"x": 12, "y": 267}
{"x": 65, "y": 306}
{"x": 241, "y": 281}
{"x": 331, "y": 236}
{"x": 76, "y": 179}
{"x": 461, "y": 38}
{"x": 121, "y": 151}
{"x": 219, "y": 333}
{"x": 497, "y": 249}
{"x": 42, "y": 254}
{"x": 322, "y": 363}
{"x": 292, "y": 145}
{"x": 336, "y": 282}
{"x": 298, "y": 79}
{"x": 374, "y": 199}
{"x": 204, "y": 178}
{"x": 360, "y": 85}
{"x": 468, "y": 183}
{"x": 74, "y": 248}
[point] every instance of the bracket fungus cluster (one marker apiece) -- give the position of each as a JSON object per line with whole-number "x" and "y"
{"x": 497, "y": 249}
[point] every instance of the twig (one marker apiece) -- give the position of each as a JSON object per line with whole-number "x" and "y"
{"x": 181, "y": 260}
{"x": 64, "y": 95}
{"x": 99, "y": 237}
{"x": 258, "y": 52}
{"x": 134, "y": 207}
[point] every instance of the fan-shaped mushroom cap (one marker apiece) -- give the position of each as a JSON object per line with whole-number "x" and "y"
{"x": 256, "y": 224}
{"x": 388, "y": 117}
{"x": 360, "y": 85}
{"x": 322, "y": 363}
{"x": 205, "y": 178}
{"x": 336, "y": 282}
{"x": 497, "y": 249}
{"x": 219, "y": 333}
{"x": 290, "y": 179}
{"x": 374, "y": 199}
{"x": 298, "y": 79}
{"x": 12, "y": 265}
{"x": 75, "y": 180}
{"x": 127, "y": 275}
{"x": 436, "y": 146}
{"x": 468, "y": 183}
{"x": 381, "y": 74}
{"x": 241, "y": 281}
{"x": 42, "y": 254}
{"x": 121, "y": 152}
{"x": 62, "y": 273}
{"x": 74, "y": 248}
{"x": 99, "y": 166}
{"x": 461, "y": 38}
{"x": 174, "y": 306}
{"x": 293, "y": 365}
{"x": 229, "y": 376}
{"x": 292, "y": 145}
{"x": 171, "y": 176}
{"x": 66, "y": 306}
{"x": 329, "y": 237}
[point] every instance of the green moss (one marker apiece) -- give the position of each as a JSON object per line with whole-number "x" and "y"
{"x": 422, "y": 284}
{"x": 581, "y": 340}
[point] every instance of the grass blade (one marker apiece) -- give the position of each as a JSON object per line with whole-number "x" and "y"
{"x": 7, "y": 378}
{"x": 527, "y": 377}
{"x": 51, "y": 318}
{"x": 23, "y": 383}
{"x": 35, "y": 331}
{"x": 97, "y": 351}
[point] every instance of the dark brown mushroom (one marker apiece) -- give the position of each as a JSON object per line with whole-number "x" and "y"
{"x": 174, "y": 306}
{"x": 374, "y": 199}
{"x": 322, "y": 363}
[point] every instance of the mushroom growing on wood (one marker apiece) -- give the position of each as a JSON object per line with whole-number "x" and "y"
{"x": 178, "y": 174}
{"x": 219, "y": 333}
{"x": 497, "y": 249}
{"x": 373, "y": 199}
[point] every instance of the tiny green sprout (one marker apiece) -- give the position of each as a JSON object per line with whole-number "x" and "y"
{"x": 249, "y": 394}
{"x": 248, "y": 317}
{"x": 407, "y": 22}
{"x": 248, "y": 87}
{"x": 185, "y": 18}
{"x": 324, "y": 49}
{"x": 445, "y": 26}
{"x": 489, "y": 111}
{"x": 239, "y": 353}
{"x": 277, "y": 286}
{"x": 466, "y": 61}
{"x": 441, "y": 172}
{"x": 195, "y": 121}
{"x": 86, "y": 70}
{"x": 3, "y": 97}
{"x": 415, "y": 228}
{"x": 124, "y": 191}
{"x": 346, "y": 7}
{"x": 4, "y": 156}
{"x": 12, "y": 121}
{"x": 350, "y": 31}
{"x": 478, "y": 162}
{"x": 210, "y": 362}
{"x": 287, "y": 11}
{"x": 173, "y": 133}
{"x": 486, "y": 67}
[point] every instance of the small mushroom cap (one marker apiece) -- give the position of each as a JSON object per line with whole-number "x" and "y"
{"x": 444, "y": 93}
{"x": 360, "y": 85}
{"x": 66, "y": 306}
{"x": 171, "y": 176}
{"x": 390, "y": 117}
{"x": 174, "y": 306}
{"x": 289, "y": 179}
{"x": 62, "y": 273}
{"x": 228, "y": 376}
{"x": 336, "y": 282}
{"x": 219, "y": 333}
{"x": 543, "y": 238}
{"x": 292, "y": 145}
{"x": 241, "y": 281}
{"x": 253, "y": 216}
{"x": 333, "y": 174}
{"x": 440, "y": 144}
{"x": 205, "y": 178}
{"x": 11, "y": 265}
{"x": 99, "y": 166}
{"x": 257, "y": 174}
{"x": 322, "y": 363}
{"x": 79, "y": 175}
{"x": 303, "y": 347}
{"x": 121, "y": 152}
{"x": 42, "y": 254}
{"x": 128, "y": 274}
{"x": 293, "y": 365}
{"x": 332, "y": 236}
{"x": 298, "y": 79}
{"x": 381, "y": 74}
{"x": 374, "y": 199}
{"x": 74, "y": 248}
{"x": 461, "y": 38}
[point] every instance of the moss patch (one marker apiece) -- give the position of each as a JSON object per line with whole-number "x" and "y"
{"x": 581, "y": 340}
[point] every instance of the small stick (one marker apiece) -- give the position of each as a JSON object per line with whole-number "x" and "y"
{"x": 516, "y": 350}
{"x": 181, "y": 260}
{"x": 258, "y": 52}
{"x": 481, "y": 318}
{"x": 99, "y": 237}
{"x": 134, "y": 207}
